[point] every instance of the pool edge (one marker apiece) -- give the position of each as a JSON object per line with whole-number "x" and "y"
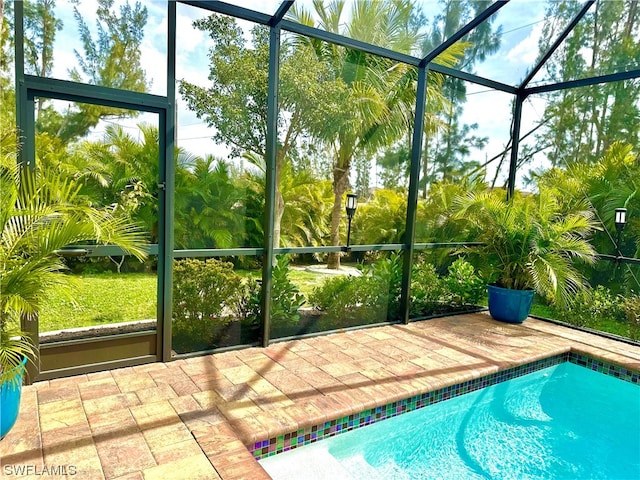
{"x": 314, "y": 433}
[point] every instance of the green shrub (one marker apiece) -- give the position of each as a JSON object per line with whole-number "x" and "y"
{"x": 215, "y": 307}
{"x": 427, "y": 289}
{"x": 383, "y": 285}
{"x": 591, "y": 307}
{"x": 375, "y": 296}
{"x": 631, "y": 307}
{"x": 372, "y": 297}
{"x": 463, "y": 286}
{"x": 348, "y": 301}
{"x": 249, "y": 308}
{"x": 206, "y": 298}
{"x": 286, "y": 298}
{"x": 432, "y": 294}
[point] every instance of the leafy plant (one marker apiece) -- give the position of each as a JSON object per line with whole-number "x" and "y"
{"x": 427, "y": 288}
{"x": 591, "y": 306}
{"x": 355, "y": 300}
{"x": 528, "y": 242}
{"x": 209, "y": 297}
{"x": 375, "y": 296}
{"x": 286, "y": 298}
{"x": 631, "y": 307}
{"x": 249, "y": 308}
{"x": 463, "y": 285}
{"x": 206, "y": 296}
{"x": 40, "y": 213}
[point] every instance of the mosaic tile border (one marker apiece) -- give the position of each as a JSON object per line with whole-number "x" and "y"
{"x": 604, "y": 367}
{"x": 305, "y": 436}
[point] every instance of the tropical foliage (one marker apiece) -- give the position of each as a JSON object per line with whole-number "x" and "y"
{"x": 374, "y": 296}
{"x": 528, "y": 242}
{"x": 340, "y": 109}
{"x": 40, "y": 213}
{"x": 379, "y": 100}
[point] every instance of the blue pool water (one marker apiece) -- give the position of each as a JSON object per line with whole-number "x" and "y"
{"x": 561, "y": 422}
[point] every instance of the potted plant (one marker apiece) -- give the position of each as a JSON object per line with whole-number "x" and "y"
{"x": 40, "y": 213}
{"x": 529, "y": 245}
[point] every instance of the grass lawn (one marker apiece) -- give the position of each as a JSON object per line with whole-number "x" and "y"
{"x": 100, "y": 299}
{"x": 603, "y": 325}
{"x": 104, "y": 298}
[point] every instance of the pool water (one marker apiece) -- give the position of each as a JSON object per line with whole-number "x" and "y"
{"x": 560, "y": 422}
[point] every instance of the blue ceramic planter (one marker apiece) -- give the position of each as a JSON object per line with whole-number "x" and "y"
{"x": 507, "y": 305}
{"x": 10, "y": 401}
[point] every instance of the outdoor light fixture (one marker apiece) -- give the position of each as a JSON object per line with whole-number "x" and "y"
{"x": 620, "y": 221}
{"x": 621, "y": 218}
{"x": 352, "y": 204}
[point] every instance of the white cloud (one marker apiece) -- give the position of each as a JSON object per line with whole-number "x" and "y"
{"x": 526, "y": 51}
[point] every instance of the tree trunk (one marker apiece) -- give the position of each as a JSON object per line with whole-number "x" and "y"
{"x": 425, "y": 167}
{"x": 628, "y": 28}
{"x": 340, "y": 185}
{"x": 1, "y": 18}
{"x": 278, "y": 205}
{"x": 278, "y": 211}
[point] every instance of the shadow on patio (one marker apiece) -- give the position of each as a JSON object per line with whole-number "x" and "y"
{"x": 195, "y": 418}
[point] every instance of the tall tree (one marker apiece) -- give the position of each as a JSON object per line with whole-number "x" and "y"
{"x": 581, "y": 123}
{"x": 378, "y": 109}
{"x": 448, "y": 145}
{"x": 111, "y": 60}
{"x": 41, "y": 26}
{"x": 7, "y": 91}
{"x": 235, "y": 103}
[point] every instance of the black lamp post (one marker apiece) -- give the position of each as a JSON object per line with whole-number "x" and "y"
{"x": 620, "y": 221}
{"x": 352, "y": 204}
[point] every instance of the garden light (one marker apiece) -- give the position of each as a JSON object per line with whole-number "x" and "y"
{"x": 620, "y": 221}
{"x": 621, "y": 218}
{"x": 352, "y": 204}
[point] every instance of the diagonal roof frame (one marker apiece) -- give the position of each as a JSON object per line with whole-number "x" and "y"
{"x": 347, "y": 42}
{"x": 565, "y": 33}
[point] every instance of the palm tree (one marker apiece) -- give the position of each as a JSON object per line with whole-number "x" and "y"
{"x": 306, "y": 202}
{"x": 529, "y": 243}
{"x": 611, "y": 182}
{"x": 209, "y": 205}
{"x": 380, "y": 96}
{"x": 40, "y": 213}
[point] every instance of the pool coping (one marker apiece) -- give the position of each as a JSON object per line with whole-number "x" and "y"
{"x": 314, "y": 433}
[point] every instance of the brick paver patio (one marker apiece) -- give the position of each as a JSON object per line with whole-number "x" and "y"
{"x": 193, "y": 418}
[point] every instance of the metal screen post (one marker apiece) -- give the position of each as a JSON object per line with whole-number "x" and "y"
{"x": 166, "y": 195}
{"x": 412, "y": 200}
{"x": 515, "y": 144}
{"x": 270, "y": 187}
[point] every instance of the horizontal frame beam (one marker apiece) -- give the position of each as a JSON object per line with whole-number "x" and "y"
{"x": 348, "y": 42}
{"x": 229, "y": 252}
{"x": 470, "y": 77}
{"x": 231, "y": 10}
{"x": 583, "y": 82}
{"x": 101, "y": 250}
{"x": 93, "y": 94}
{"x": 312, "y": 32}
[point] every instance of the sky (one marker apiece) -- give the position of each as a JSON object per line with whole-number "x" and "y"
{"x": 521, "y": 22}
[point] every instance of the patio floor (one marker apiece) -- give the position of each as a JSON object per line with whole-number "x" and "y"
{"x": 192, "y": 418}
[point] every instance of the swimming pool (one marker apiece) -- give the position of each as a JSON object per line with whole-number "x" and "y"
{"x": 563, "y": 421}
